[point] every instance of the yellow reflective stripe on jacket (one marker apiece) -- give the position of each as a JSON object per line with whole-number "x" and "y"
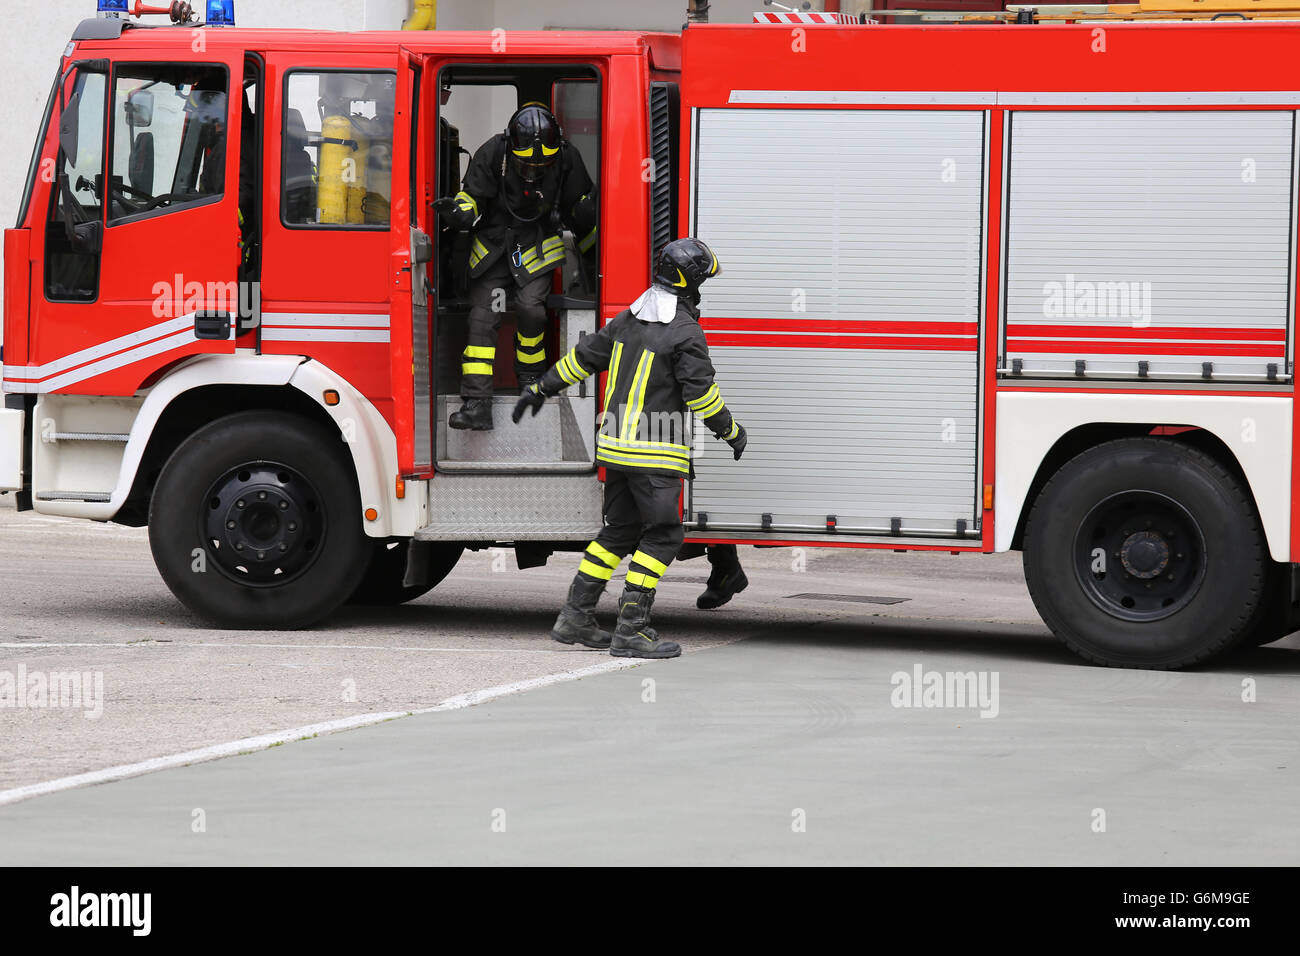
{"x": 477, "y": 253}
{"x": 467, "y": 203}
{"x": 695, "y": 404}
{"x": 569, "y": 368}
{"x": 475, "y": 368}
{"x": 480, "y": 351}
{"x": 603, "y": 554}
{"x": 549, "y": 245}
{"x": 735, "y": 430}
{"x": 618, "y": 459}
{"x": 635, "y": 445}
{"x": 611, "y": 381}
{"x": 601, "y": 571}
{"x": 552, "y": 254}
{"x": 587, "y": 241}
{"x": 530, "y": 339}
{"x": 530, "y": 358}
{"x": 649, "y": 563}
{"x": 636, "y": 396}
{"x": 712, "y": 408}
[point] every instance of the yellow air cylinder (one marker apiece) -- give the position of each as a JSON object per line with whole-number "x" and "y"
{"x": 356, "y": 177}
{"x": 338, "y": 164}
{"x": 424, "y": 16}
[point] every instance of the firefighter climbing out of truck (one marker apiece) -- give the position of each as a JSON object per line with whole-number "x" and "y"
{"x": 521, "y": 187}
{"x": 659, "y": 368}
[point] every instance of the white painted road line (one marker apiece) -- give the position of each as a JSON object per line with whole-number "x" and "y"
{"x": 263, "y": 741}
{"x": 48, "y": 645}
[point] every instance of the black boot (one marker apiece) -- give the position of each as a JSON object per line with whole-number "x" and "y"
{"x": 726, "y": 580}
{"x": 475, "y": 413}
{"x": 577, "y": 621}
{"x": 634, "y": 637}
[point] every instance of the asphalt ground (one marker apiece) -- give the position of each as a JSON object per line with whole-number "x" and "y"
{"x": 780, "y": 736}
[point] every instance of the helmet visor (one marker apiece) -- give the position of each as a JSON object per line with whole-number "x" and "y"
{"x": 532, "y": 162}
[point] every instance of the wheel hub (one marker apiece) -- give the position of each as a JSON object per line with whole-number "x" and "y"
{"x": 1145, "y": 554}
{"x": 1139, "y": 555}
{"x": 263, "y": 523}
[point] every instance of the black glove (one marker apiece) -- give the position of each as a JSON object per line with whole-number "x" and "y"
{"x": 531, "y": 398}
{"x": 450, "y": 210}
{"x": 738, "y": 441}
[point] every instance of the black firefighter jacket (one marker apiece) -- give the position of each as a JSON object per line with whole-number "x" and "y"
{"x": 657, "y": 371}
{"x": 514, "y": 216}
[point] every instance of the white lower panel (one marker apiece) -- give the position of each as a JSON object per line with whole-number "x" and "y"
{"x": 1256, "y": 430}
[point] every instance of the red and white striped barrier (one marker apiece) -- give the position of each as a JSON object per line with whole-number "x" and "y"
{"x": 812, "y": 16}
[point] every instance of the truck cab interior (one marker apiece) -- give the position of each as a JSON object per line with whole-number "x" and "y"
{"x": 475, "y": 102}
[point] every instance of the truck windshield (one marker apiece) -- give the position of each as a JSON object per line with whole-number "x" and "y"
{"x": 30, "y": 185}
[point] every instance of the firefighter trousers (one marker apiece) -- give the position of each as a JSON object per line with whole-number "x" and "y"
{"x": 641, "y": 519}
{"x": 490, "y": 295}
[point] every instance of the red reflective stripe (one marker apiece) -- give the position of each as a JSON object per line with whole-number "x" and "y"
{"x": 1143, "y": 348}
{"x": 938, "y": 344}
{"x": 1148, "y": 332}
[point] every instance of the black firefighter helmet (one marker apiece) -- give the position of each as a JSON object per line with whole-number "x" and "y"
{"x": 533, "y": 138}
{"x": 684, "y": 264}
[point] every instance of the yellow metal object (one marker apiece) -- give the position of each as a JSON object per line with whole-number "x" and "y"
{"x": 424, "y": 16}
{"x": 336, "y": 159}
{"x": 355, "y": 176}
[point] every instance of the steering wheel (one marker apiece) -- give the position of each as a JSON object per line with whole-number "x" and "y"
{"x": 146, "y": 201}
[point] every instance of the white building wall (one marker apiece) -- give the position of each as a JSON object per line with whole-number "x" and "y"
{"x": 31, "y": 43}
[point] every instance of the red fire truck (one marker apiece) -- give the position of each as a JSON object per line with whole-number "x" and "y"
{"x": 1021, "y": 286}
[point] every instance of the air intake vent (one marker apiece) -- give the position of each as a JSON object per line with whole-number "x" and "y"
{"x": 663, "y": 153}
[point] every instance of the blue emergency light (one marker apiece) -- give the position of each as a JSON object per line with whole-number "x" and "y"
{"x": 221, "y": 13}
{"x": 112, "y": 6}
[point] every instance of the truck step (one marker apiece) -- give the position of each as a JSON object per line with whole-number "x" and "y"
{"x": 90, "y": 436}
{"x": 90, "y": 496}
{"x": 500, "y": 508}
{"x": 560, "y": 439}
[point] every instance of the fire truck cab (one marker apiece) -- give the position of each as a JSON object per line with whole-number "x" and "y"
{"x": 985, "y": 288}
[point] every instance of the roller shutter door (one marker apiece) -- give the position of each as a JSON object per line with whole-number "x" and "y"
{"x": 1161, "y": 238}
{"x": 844, "y": 327}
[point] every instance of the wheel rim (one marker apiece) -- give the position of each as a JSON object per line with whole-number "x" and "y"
{"x": 263, "y": 524}
{"x": 1139, "y": 556}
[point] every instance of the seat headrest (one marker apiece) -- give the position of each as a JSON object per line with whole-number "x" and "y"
{"x": 295, "y": 128}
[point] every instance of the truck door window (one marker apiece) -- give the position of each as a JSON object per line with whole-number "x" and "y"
{"x": 169, "y": 138}
{"x": 337, "y": 165}
{"x": 72, "y": 260}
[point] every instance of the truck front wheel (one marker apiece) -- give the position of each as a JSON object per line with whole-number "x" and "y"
{"x": 1146, "y": 552}
{"x": 382, "y": 584}
{"x": 255, "y": 522}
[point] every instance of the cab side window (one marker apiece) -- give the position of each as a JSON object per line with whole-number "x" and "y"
{"x": 337, "y": 165}
{"x": 169, "y": 138}
{"x": 71, "y": 244}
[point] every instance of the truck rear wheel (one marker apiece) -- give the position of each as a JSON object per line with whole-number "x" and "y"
{"x": 255, "y": 522}
{"x": 1275, "y": 618}
{"x": 1146, "y": 552}
{"x": 382, "y": 584}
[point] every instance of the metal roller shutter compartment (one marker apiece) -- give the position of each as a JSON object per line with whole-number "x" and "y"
{"x": 844, "y": 327}
{"x": 1155, "y": 237}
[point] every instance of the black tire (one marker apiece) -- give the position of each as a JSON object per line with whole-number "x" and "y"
{"x": 1146, "y": 552}
{"x": 256, "y": 522}
{"x": 1275, "y": 620}
{"x": 382, "y": 585}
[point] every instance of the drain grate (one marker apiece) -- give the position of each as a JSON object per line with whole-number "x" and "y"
{"x": 855, "y": 598}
